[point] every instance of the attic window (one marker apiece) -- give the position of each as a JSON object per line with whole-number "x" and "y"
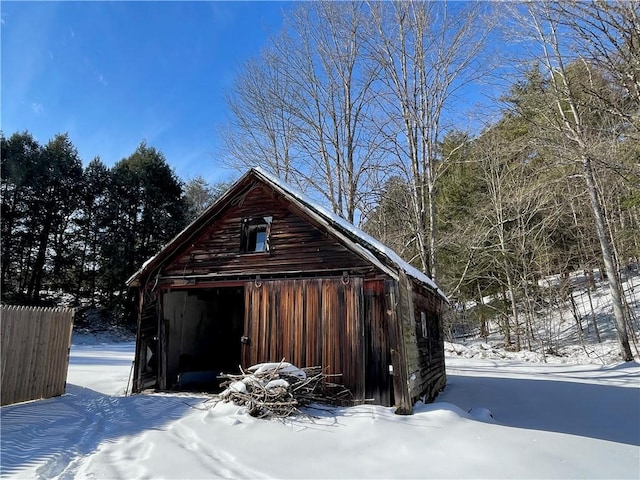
{"x": 255, "y": 234}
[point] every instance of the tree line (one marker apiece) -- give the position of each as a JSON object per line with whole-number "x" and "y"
{"x": 367, "y": 106}
{"x": 84, "y": 231}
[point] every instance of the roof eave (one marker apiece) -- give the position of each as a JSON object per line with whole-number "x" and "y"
{"x": 187, "y": 233}
{"x": 356, "y": 243}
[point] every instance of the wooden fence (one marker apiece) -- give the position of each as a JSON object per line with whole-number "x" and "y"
{"x": 35, "y": 346}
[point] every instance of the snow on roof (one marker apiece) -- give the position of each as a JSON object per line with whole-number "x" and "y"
{"x": 367, "y": 240}
{"x": 365, "y": 244}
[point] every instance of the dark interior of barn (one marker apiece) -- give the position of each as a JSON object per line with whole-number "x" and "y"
{"x": 203, "y": 333}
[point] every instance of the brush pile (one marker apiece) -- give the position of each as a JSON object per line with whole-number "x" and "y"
{"x": 276, "y": 390}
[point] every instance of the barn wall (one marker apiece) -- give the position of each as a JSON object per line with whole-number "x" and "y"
{"x": 430, "y": 374}
{"x": 147, "y": 352}
{"x": 422, "y": 364}
{"x": 308, "y": 322}
{"x": 295, "y": 244}
{"x": 414, "y": 360}
{"x": 397, "y": 346}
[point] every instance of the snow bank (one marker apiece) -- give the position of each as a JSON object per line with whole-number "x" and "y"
{"x": 605, "y": 353}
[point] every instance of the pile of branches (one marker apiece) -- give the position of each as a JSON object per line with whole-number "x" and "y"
{"x": 276, "y": 390}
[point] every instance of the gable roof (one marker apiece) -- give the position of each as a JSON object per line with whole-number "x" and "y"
{"x": 352, "y": 237}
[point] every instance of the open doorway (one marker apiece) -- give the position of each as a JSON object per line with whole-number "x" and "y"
{"x": 203, "y": 328}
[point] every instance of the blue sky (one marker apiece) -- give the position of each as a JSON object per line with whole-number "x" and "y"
{"x": 114, "y": 74}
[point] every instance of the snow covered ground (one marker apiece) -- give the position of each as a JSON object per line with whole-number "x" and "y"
{"x": 497, "y": 418}
{"x": 559, "y": 338}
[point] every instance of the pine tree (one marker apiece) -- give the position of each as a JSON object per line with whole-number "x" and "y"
{"x": 145, "y": 209}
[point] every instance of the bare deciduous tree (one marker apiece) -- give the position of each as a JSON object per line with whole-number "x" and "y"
{"x": 575, "y": 139}
{"x": 303, "y": 110}
{"x": 428, "y": 51}
{"x": 607, "y": 34}
{"x": 262, "y": 130}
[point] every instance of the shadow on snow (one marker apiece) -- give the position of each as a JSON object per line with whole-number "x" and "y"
{"x": 605, "y": 412}
{"x": 56, "y": 431}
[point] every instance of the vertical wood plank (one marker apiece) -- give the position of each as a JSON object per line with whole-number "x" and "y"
{"x": 272, "y": 329}
{"x": 327, "y": 321}
{"x": 10, "y": 392}
{"x": 10, "y": 317}
{"x": 265, "y": 322}
{"x": 355, "y": 328}
{"x": 377, "y": 360}
{"x": 52, "y": 383}
{"x": 402, "y": 399}
{"x": 27, "y": 345}
{"x": 313, "y": 329}
{"x": 299, "y": 324}
{"x": 284, "y": 322}
{"x": 47, "y": 366}
{"x": 66, "y": 347}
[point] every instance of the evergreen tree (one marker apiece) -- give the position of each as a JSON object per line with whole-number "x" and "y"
{"x": 20, "y": 155}
{"x": 90, "y": 225}
{"x": 145, "y": 209}
{"x": 62, "y": 198}
{"x": 39, "y": 195}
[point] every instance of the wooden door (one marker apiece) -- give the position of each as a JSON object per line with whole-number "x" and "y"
{"x": 307, "y": 322}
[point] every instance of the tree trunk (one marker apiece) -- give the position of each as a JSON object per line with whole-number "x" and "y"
{"x": 609, "y": 264}
{"x": 37, "y": 274}
{"x": 594, "y": 320}
{"x": 576, "y": 317}
{"x": 432, "y": 229}
{"x": 507, "y": 328}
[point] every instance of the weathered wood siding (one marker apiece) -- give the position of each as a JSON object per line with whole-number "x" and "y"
{"x": 431, "y": 373}
{"x": 35, "y": 352}
{"x": 148, "y": 351}
{"x": 418, "y": 361}
{"x": 412, "y": 354}
{"x": 378, "y": 384}
{"x": 295, "y": 304}
{"x": 308, "y": 322}
{"x": 296, "y": 245}
{"x": 402, "y": 400}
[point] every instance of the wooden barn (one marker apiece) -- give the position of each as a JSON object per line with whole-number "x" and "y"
{"x": 265, "y": 274}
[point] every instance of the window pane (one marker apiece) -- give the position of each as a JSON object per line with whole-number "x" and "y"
{"x": 261, "y": 241}
{"x": 255, "y": 235}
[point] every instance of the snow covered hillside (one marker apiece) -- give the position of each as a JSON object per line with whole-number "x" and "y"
{"x": 577, "y": 330}
{"x": 495, "y": 419}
